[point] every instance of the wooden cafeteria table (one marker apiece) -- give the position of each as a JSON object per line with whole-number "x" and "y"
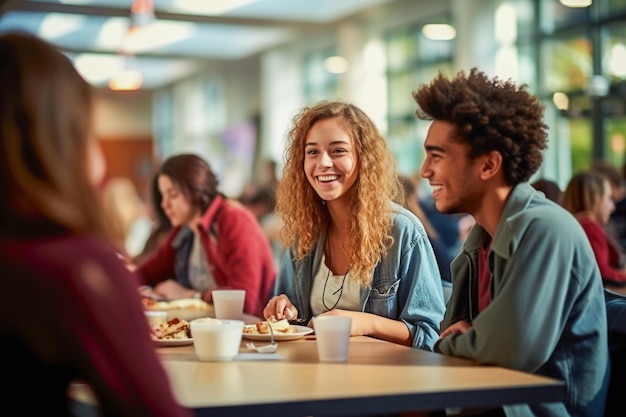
{"x": 379, "y": 377}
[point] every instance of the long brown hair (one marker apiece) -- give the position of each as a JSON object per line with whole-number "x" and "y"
{"x": 304, "y": 213}
{"x": 45, "y": 129}
{"x": 194, "y": 176}
{"x": 583, "y": 191}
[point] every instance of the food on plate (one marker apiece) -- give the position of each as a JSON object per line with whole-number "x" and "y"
{"x": 182, "y": 303}
{"x": 262, "y": 327}
{"x": 172, "y": 329}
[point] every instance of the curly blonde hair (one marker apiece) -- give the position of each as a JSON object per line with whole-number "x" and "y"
{"x": 305, "y": 214}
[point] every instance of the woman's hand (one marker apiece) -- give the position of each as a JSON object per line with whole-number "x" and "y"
{"x": 280, "y": 307}
{"x": 171, "y": 289}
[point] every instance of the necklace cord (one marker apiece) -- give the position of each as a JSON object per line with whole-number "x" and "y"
{"x": 343, "y": 281}
{"x": 338, "y": 290}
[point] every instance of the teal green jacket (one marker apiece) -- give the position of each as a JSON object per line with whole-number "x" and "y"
{"x": 547, "y": 315}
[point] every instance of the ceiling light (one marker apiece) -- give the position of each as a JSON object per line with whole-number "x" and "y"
{"x": 126, "y": 80}
{"x": 336, "y": 64}
{"x": 439, "y": 32}
{"x": 576, "y": 3}
{"x": 98, "y": 68}
{"x": 141, "y": 18}
{"x": 561, "y": 101}
{"x": 154, "y": 36}
{"x": 209, "y": 7}
{"x": 55, "y": 25}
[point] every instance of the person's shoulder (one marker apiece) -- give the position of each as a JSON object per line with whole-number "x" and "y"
{"x": 61, "y": 253}
{"x": 233, "y": 209}
{"x": 536, "y": 207}
{"x": 404, "y": 221}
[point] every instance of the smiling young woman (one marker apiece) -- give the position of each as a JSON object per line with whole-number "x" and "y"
{"x": 352, "y": 250}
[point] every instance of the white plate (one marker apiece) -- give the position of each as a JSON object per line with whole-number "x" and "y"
{"x": 297, "y": 333}
{"x": 172, "y": 342}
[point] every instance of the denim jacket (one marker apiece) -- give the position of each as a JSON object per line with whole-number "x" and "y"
{"x": 547, "y": 315}
{"x": 406, "y": 284}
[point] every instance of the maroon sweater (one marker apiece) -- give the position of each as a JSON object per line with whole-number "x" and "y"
{"x": 69, "y": 310}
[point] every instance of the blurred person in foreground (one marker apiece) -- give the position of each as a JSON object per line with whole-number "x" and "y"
{"x": 527, "y": 293}
{"x": 352, "y": 250}
{"x": 69, "y": 309}
{"x": 215, "y": 242}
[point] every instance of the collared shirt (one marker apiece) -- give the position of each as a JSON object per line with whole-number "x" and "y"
{"x": 547, "y": 314}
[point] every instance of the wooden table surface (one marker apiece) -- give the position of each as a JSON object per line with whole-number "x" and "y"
{"x": 379, "y": 377}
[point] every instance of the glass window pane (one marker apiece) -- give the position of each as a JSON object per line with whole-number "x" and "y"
{"x": 401, "y": 49}
{"x": 318, "y": 82}
{"x": 616, "y": 139}
{"x": 525, "y": 17}
{"x": 614, "y": 52}
{"x": 567, "y": 63}
{"x": 611, "y": 7}
{"x": 555, "y": 16}
{"x": 581, "y": 137}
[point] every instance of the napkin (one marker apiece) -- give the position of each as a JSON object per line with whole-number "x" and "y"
{"x": 258, "y": 357}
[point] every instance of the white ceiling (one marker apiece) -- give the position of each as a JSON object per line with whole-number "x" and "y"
{"x": 98, "y": 26}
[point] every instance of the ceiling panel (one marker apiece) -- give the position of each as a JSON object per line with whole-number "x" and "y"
{"x": 194, "y": 38}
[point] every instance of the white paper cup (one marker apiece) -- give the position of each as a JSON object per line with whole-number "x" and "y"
{"x": 332, "y": 334}
{"x": 156, "y": 317}
{"x": 228, "y": 304}
{"x": 216, "y": 340}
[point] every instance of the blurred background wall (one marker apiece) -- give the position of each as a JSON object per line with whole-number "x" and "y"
{"x": 236, "y": 112}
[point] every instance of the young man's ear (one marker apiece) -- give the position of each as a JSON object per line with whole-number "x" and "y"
{"x": 491, "y": 164}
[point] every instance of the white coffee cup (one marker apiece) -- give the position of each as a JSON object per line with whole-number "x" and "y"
{"x": 156, "y": 317}
{"x": 332, "y": 334}
{"x": 215, "y": 339}
{"x": 228, "y": 304}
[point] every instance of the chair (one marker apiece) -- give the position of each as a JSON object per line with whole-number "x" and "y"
{"x": 616, "y": 315}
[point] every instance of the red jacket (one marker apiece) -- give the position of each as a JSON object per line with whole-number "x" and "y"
{"x": 607, "y": 255}
{"x": 236, "y": 249}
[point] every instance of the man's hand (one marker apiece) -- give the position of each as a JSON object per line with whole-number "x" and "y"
{"x": 458, "y": 327}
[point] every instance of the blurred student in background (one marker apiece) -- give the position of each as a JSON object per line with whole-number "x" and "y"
{"x": 443, "y": 252}
{"x": 588, "y": 197}
{"x": 69, "y": 308}
{"x": 215, "y": 242}
{"x": 352, "y": 250}
{"x": 262, "y": 203}
{"x": 615, "y": 226}
{"x": 549, "y": 188}
{"x": 526, "y": 294}
{"x": 131, "y": 219}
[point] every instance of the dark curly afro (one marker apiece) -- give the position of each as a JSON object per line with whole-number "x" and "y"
{"x": 489, "y": 114}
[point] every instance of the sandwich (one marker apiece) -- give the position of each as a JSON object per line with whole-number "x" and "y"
{"x": 262, "y": 327}
{"x": 173, "y": 329}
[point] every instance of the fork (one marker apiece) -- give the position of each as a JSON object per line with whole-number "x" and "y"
{"x": 271, "y": 348}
